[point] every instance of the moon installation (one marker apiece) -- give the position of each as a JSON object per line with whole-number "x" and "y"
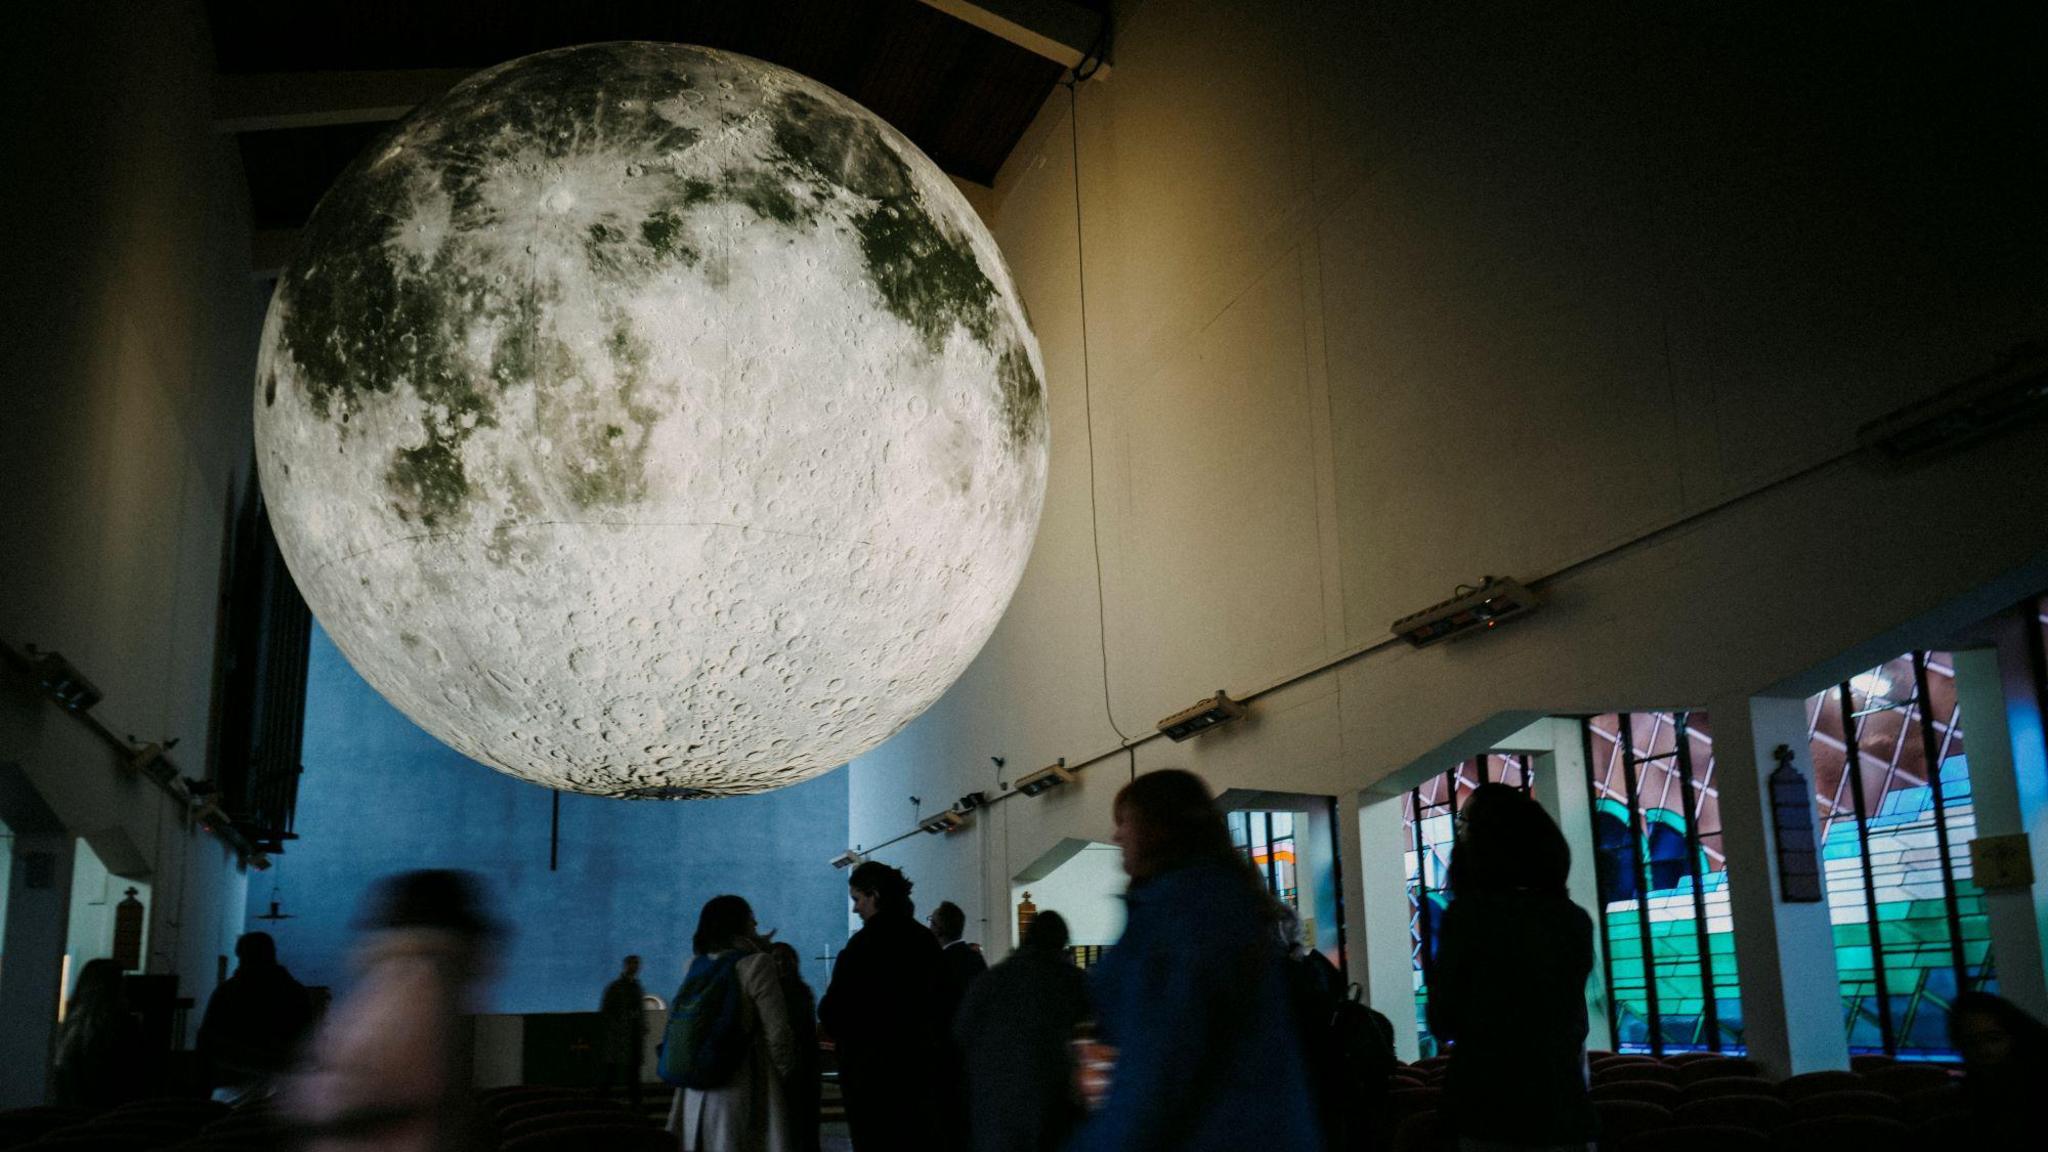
{"x": 645, "y": 420}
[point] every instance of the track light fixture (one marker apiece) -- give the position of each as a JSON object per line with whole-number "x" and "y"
{"x": 1469, "y": 610}
{"x": 944, "y": 822}
{"x": 61, "y": 680}
{"x": 1046, "y": 779}
{"x": 1201, "y": 716}
{"x": 847, "y": 859}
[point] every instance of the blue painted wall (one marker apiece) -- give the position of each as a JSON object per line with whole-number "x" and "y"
{"x": 380, "y": 795}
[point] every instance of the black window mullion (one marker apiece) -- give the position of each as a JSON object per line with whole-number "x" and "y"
{"x": 1853, "y": 777}
{"x": 1606, "y": 942}
{"x": 1933, "y": 750}
{"x": 1711, "y": 1015}
{"x": 1639, "y": 861}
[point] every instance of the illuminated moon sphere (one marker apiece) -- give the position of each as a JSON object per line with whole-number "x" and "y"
{"x": 644, "y": 420}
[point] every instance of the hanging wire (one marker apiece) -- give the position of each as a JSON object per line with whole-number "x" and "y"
{"x": 1071, "y": 83}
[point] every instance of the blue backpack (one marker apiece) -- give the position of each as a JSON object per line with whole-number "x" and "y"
{"x": 705, "y": 1038}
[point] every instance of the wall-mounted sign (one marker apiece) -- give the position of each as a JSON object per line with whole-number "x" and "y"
{"x": 2002, "y": 862}
{"x": 128, "y": 915}
{"x": 1792, "y": 822}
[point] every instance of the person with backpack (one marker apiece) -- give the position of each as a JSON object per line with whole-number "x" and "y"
{"x": 728, "y": 1045}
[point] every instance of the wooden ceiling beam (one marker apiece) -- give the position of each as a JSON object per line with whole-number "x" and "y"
{"x": 1058, "y": 30}
{"x": 257, "y": 102}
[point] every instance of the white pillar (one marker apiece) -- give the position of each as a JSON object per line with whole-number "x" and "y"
{"x": 1791, "y": 996}
{"x": 1379, "y": 948}
{"x": 2002, "y": 740}
{"x": 1560, "y": 787}
{"x": 38, "y": 913}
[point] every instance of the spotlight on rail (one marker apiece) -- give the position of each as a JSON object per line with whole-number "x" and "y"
{"x": 2012, "y": 394}
{"x": 1046, "y": 779}
{"x": 61, "y": 680}
{"x": 1203, "y": 715}
{"x": 944, "y": 822}
{"x": 1470, "y": 610}
{"x": 847, "y": 859}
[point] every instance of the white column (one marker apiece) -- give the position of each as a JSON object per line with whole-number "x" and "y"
{"x": 1560, "y": 788}
{"x": 1379, "y": 943}
{"x": 38, "y": 912}
{"x": 1791, "y": 997}
{"x": 2002, "y": 740}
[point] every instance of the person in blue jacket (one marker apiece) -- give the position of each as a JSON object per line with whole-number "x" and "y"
{"x": 1194, "y": 997}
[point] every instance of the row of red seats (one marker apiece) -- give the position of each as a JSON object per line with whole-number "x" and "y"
{"x": 161, "y": 1125}
{"x": 536, "y": 1118}
{"x": 1704, "y": 1101}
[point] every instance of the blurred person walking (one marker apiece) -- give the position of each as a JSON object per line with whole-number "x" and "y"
{"x": 254, "y": 1024}
{"x": 1013, "y": 1030}
{"x": 881, "y": 1011}
{"x": 805, "y": 1076}
{"x": 1194, "y": 996}
{"x": 622, "y": 1021}
{"x": 742, "y": 1047}
{"x": 99, "y": 1044}
{"x": 1517, "y": 1077}
{"x": 390, "y": 1067}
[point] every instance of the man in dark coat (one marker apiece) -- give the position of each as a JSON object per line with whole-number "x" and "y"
{"x": 881, "y": 1011}
{"x": 622, "y": 1016}
{"x": 961, "y": 964}
{"x": 963, "y": 961}
{"x": 254, "y": 1022}
{"x": 1014, "y": 1030}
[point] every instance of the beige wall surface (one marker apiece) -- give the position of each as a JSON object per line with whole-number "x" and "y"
{"x": 1383, "y": 298}
{"x": 129, "y": 319}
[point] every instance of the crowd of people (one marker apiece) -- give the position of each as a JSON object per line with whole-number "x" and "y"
{"x": 1207, "y": 1026}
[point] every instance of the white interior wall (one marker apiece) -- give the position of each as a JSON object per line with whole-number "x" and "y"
{"x": 1087, "y": 890}
{"x": 1382, "y": 298}
{"x": 130, "y": 314}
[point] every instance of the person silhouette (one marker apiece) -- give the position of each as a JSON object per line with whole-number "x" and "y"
{"x": 1517, "y": 1075}
{"x": 622, "y": 1019}
{"x": 98, "y": 1059}
{"x": 881, "y": 1011}
{"x": 1014, "y": 1033}
{"x": 254, "y": 1023}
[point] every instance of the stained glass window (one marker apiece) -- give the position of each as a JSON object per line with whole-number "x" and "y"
{"x": 1663, "y": 879}
{"x": 1429, "y": 818}
{"x": 1910, "y": 927}
{"x": 1266, "y": 841}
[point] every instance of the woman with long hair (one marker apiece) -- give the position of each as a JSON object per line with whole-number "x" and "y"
{"x": 99, "y": 1045}
{"x": 1193, "y": 997}
{"x": 749, "y": 1112}
{"x": 805, "y": 1080}
{"x": 1508, "y": 988}
{"x": 882, "y": 1012}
